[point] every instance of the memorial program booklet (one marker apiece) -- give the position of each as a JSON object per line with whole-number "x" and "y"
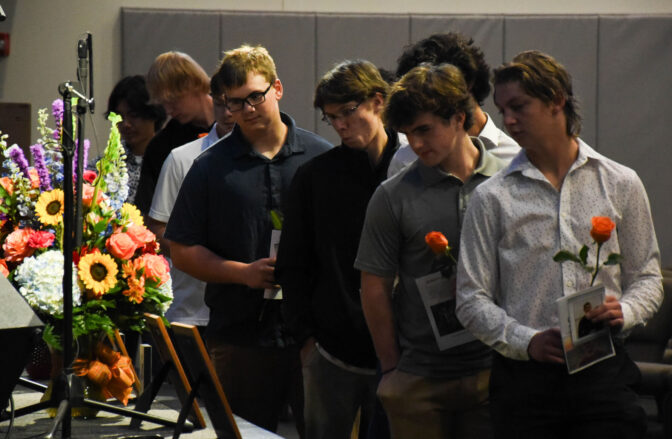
{"x": 584, "y": 342}
{"x": 274, "y": 293}
{"x": 437, "y": 292}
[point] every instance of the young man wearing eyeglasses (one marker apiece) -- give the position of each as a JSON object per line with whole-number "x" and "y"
{"x": 220, "y": 232}
{"x": 435, "y": 377}
{"x": 323, "y": 220}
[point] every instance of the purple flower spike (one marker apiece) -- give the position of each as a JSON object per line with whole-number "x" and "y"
{"x": 57, "y": 112}
{"x": 16, "y": 154}
{"x": 38, "y": 157}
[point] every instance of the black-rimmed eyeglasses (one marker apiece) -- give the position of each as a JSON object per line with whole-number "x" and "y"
{"x": 253, "y": 99}
{"x": 331, "y": 118}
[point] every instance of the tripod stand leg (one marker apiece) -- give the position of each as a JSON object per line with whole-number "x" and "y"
{"x": 62, "y": 416}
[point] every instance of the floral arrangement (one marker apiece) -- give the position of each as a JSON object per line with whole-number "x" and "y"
{"x": 602, "y": 227}
{"x": 118, "y": 274}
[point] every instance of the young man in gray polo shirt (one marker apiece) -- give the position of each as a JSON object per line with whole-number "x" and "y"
{"x": 430, "y": 388}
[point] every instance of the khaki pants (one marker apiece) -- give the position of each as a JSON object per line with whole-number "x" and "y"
{"x": 434, "y": 408}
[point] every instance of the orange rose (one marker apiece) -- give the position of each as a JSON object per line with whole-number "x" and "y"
{"x": 7, "y": 184}
{"x": 121, "y": 246}
{"x": 87, "y": 195}
{"x": 437, "y": 242}
{"x": 602, "y": 227}
{"x": 16, "y": 245}
{"x": 140, "y": 234}
{"x": 156, "y": 267}
{"x": 3, "y": 268}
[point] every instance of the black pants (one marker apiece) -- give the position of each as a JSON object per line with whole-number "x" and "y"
{"x": 535, "y": 400}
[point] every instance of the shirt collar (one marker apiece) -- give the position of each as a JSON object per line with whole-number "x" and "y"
{"x": 521, "y": 163}
{"x": 211, "y": 138}
{"x": 487, "y": 166}
{"x": 291, "y": 146}
{"x": 490, "y": 132}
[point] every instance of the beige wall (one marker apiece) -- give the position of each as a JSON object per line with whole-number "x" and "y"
{"x": 44, "y": 35}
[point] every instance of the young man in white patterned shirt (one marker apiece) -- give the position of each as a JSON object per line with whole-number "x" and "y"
{"x": 508, "y": 283}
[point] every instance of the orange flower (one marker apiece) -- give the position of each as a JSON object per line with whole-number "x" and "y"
{"x": 437, "y": 242}
{"x": 602, "y": 228}
{"x": 34, "y": 178}
{"x": 87, "y": 195}
{"x": 16, "y": 245}
{"x": 156, "y": 267}
{"x": 121, "y": 245}
{"x": 3, "y": 268}
{"x": 7, "y": 184}
{"x": 136, "y": 289}
{"x": 140, "y": 234}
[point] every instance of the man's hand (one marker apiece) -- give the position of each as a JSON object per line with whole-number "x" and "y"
{"x": 609, "y": 312}
{"x": 546, "y": 347}
{"x": 260, "y": 273}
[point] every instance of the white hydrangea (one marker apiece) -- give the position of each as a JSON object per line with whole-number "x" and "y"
{"x": 40, "y": 280}
{"x": 166, "y": 289}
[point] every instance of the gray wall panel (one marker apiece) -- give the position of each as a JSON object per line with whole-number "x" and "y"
{"x": 148, "y": 33}
{"x": 377, "y": 38}
{"x": 635, "y": 104}
{"x": 487, "y": 32}
{"x": 572, "y": 40}
{"x": 290, "y": 39}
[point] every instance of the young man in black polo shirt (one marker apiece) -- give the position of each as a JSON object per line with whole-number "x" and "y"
{"x": 220, "y": 232}
{"x": 323, "y": 221}
{"x": 181, "y": 86}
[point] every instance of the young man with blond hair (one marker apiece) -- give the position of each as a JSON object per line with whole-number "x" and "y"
{"x": 220, "y": 232}
{"x": 507, "y": 281}
{"x": 181, "y": 86}
{"x": 323, "y": 221}
{"x": 429, "y": 390}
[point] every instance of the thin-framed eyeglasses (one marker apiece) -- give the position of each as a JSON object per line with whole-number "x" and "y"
{"x": 329, "y": 119}
{"x": 253, "y": 99}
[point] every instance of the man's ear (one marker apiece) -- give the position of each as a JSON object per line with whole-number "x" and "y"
{"x": 460, "y": 117}
{"x": 378, "y": 103}
{"x": 558, "y": 105}
{"x": 278, "y": 89}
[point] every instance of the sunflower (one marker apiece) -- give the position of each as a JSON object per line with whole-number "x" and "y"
{"x": 49, "y": 207}
{"x": 98, "y": 272}
{"x": 133, "y": 214}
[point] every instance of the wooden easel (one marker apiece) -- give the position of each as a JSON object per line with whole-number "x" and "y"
{"x": 171, "y": 367}
{"x": 205, "y": 382}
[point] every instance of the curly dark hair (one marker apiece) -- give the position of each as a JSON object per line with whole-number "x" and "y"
{"x": 452, "y": 48}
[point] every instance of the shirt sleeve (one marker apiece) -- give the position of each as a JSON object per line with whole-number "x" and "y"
{"x": 380, "y": 242}
{"x": 641, "y": 279}
{"x": 188, "y": 223}
{"x": 478, "y": 290}
{"x": 167, "y": 188}
{"x": 295, "y": 267}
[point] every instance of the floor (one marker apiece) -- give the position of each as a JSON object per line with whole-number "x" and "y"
{"x": 109, "y": 425}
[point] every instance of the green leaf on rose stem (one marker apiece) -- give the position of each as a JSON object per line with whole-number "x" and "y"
{"x": 564, "y": 256}
{"x": 583, "y": 254}
{"x": 99, "y": 227}
{"x": 613, "y": 259}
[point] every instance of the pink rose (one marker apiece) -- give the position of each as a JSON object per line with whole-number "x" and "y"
{"x": 16, "y": 245}
{"x": 121, "y": 246}
{"x": 156, "y": 267}
{"x": 41, "y": 239}
{"x": 140, "y": 234}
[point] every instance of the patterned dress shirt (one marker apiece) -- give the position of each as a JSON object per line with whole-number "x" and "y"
{"x": 507, "y": 280}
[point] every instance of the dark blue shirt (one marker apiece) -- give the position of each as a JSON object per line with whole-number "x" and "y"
{"x": 224, "y": 205}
